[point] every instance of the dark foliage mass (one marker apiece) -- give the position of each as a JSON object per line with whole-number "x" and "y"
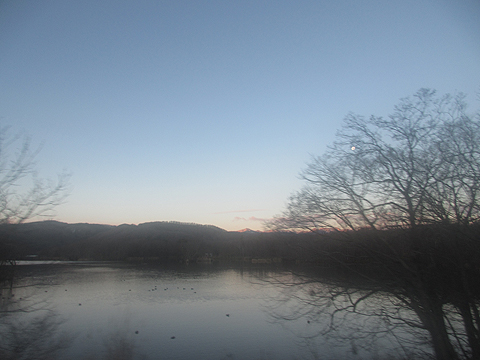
{"x": 156, "y": 241}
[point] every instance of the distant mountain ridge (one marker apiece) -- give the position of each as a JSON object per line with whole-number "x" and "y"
{"x": 164, "y": 240}
{"x": 53, "y": 223}
{"x": 247, "y": 230}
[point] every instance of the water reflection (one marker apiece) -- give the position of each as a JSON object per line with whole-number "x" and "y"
{"x": 118, "y": 311}
{"x": 333, "y": 319}
{"x": 30, "y": 331}
{"x": 163, "y": 313}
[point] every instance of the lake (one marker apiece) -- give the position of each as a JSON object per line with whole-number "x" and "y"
{"x": 199, "y": 311}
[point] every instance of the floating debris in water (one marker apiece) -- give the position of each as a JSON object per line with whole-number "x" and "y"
{"x": 173, "y": 337}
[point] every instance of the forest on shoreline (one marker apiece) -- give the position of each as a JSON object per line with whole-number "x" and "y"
{"x": 155, "y": 241}
{"x": 185, "y": 242}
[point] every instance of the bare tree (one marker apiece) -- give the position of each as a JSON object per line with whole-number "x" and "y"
{"x": 23, "y": 194}
{"x": 383, "y": 173}
{"x": 413, "y": 177}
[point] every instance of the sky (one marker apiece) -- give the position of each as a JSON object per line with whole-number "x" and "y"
{"x": 207, "y": 111}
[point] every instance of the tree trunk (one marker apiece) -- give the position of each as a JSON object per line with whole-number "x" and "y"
{"x": 471, "y": 330}
{"x": 432, "y": 317}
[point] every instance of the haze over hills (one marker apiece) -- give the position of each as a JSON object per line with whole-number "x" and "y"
{"x": 247, "y": 230}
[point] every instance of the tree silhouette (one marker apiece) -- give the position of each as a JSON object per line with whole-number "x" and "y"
{"x": 23, "y": 194}
{"x": 402, "y": 193}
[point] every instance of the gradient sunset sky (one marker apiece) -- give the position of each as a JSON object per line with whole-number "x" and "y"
{"x": 206, "y": 111}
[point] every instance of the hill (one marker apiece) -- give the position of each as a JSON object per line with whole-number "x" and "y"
{"x": 159, "y": 241}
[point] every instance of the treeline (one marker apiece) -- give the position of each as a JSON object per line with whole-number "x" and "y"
{"x": 156, "y": 241}
{"x": 441, "y": 247}
{"x": 442, "y": 255}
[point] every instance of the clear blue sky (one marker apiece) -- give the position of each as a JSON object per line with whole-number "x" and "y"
{"x": 206, "y": 111}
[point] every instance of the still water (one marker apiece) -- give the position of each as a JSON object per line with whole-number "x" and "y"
{"x": 125, "y": 311}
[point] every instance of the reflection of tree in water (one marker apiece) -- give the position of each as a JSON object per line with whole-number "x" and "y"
{"x": 32, "y": 339}
{"x": 333, "y": 318}
{"x": 434, "y": 295}
{"x": 117, "y": 346}
{"x": 31, "y": 330}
